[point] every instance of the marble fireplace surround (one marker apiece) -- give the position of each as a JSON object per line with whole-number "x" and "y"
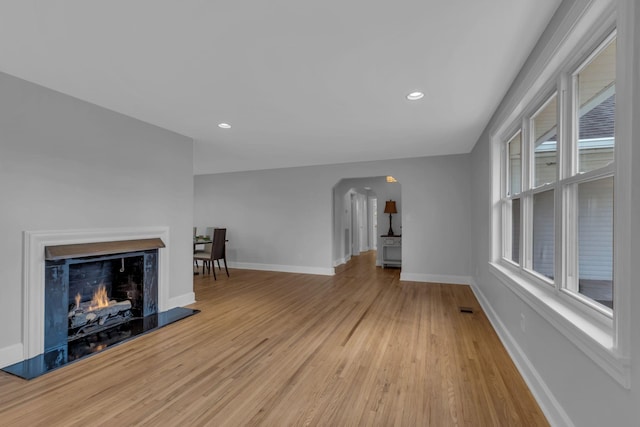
{"x": 34, "y": 243}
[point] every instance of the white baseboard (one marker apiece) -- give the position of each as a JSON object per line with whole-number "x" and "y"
{"x": 11, "y": 354}
{"x": 182, "y": 300}
{"x": 340, "y": 261}
{"x": 550, "y": 406}
{"x": 283, "y": 268}
{"x": 436, "y": 278}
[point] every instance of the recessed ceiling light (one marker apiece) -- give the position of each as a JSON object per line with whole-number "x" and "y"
{"x": 414, "y": 96}
{"x": 224, "y": 126}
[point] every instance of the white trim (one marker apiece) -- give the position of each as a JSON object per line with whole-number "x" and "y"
{"x": 181, "y": 300}
{"x": 342, "y": 260}
{"x": 283, "y": 268}
{"x": 593, "y": 338}
{"x": 11, "y": 354}
{"x": 552, "y": 409}
{"x": 33, "y": 272}
{"x": 624, "y": 217}
{"x": 436, "y": 278}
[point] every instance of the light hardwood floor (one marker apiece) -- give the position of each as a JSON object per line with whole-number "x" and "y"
{"x": 277, "y": 349}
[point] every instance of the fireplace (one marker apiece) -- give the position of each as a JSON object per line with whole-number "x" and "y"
{"x": 92, "y": 288}
{"x": 86, "y": 290}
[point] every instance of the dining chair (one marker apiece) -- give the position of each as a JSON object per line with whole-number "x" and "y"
{"x": 217, "y": 252}
{"x": 203, "y": 254}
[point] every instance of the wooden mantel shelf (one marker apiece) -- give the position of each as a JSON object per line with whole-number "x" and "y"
{"x": 52, "y": 253}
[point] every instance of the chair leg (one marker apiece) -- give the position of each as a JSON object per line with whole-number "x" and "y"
{"x": 219, "y": 265}
{"x": 214, "y": 271}
{"x": 225, "y": 265}
{"x": 207, "y": 265}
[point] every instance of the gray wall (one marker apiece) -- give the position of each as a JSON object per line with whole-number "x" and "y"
{"x": 67, "y": 164}
{"x": 282, "y": 219}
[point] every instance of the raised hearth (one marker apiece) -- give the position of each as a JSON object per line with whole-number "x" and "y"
{"x": 95, "y": 343}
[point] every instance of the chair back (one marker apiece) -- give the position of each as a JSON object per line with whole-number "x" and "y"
{"x": 218, "y": 247}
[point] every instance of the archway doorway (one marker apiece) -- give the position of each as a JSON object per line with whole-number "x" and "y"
{"x": 358, "y": 216}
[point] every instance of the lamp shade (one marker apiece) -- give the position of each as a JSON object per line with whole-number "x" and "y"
{"x": 390, "y": 207}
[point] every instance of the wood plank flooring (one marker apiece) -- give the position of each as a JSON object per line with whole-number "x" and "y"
{"x": 277, "y": 349}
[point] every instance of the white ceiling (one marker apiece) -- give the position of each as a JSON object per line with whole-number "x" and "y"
{"x": 301, "y": 82}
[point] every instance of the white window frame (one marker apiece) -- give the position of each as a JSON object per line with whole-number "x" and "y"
{"x": 600, "y": 333}
{"x": 506, "y": 251}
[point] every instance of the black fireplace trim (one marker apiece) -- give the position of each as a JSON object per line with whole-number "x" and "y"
{"x": 52, "y": 360}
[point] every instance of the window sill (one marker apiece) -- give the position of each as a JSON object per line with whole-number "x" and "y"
{"x": 592, "y": 335}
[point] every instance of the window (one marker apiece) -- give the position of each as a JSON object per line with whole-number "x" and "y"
{"x": 514, "y": 187}
{"x": 558, "y": 187}
{"x": 543, "y": 240}
{"x": 561, "y": 187}
{"x": 515, "y": 164}
{"x": 545, "y": 142}
{"x": 595, "y": 240}
{"x": 594, "y": 85}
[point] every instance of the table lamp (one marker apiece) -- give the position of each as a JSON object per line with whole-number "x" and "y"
{"x": 390, "y": 208}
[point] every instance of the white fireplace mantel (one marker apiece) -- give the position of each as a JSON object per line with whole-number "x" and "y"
{"x": 34, "y": 268}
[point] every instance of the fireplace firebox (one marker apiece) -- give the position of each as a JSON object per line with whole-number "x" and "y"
{"x": 87, "y": 295}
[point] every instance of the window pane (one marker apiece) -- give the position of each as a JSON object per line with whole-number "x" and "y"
{"x": 515, "y": 164}
{"x": 595, "y": 85}
{"x": 595, "y": 240}
{"x": 515, "y": 230}
{"x": 544, "y": 125}
{"x": 543, "y": 233}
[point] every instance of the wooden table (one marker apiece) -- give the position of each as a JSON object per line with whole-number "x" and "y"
{"x": 197, "y": 241}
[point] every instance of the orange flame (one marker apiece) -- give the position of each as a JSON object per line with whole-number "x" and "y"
{"x": 100, "y": 298}
{"x": 78, "y": 298}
